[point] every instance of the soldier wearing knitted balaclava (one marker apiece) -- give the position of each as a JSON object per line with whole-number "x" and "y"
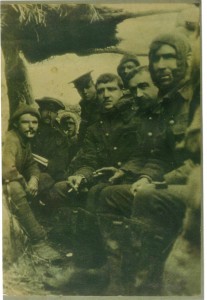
{"x": 128, "y": 63}
{"x": 170, "y": 61}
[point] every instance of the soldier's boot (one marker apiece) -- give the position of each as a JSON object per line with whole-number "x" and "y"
{"x": 150, "y": 244}
{"x": 34, "y": 230}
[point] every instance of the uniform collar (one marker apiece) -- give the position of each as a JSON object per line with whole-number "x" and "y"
{"x": 125, "y": 103}
{"x": 184, "y": 91}
{"x": 88, "y": 102}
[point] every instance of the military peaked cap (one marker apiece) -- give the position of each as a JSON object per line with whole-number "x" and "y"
{"x": 51, "y": 103}
{"x": 82, "y": 81}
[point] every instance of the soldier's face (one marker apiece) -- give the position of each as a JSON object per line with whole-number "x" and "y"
{"x": 68, "y": 125}
{"x": 126, "y": 68}
{"x": 48, "y": 115}
{"x": 27, "y": 125}
{"x": 109, "y": 94}
{"x": 88, "y": 92}
{"x": 143, "y": 89}
{"x": 164, "y": 63}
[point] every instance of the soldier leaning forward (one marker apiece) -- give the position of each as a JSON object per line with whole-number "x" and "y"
{"x": 108, "y": 143}
{"x": 21, "y": 177}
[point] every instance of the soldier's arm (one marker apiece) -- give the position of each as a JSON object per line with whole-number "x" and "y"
{"x": 9, "y": 155}
{"x": 31, "y": 169}
{"x": 85, "y": 162}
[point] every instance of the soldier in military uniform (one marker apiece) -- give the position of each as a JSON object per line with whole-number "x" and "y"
{"x": 88, "y": 103}
{"x": 108, "y": 142}
{"x": 21, "y": 177}
{"x": 127, "y": 64}
{"x": 50, "y": 146}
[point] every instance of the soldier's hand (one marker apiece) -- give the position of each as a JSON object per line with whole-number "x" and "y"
{"x": 75, "y": 181}
{"x": 139, "y": 184}
{"x": 32, "y": 186}
{"x": 116, "y": 173}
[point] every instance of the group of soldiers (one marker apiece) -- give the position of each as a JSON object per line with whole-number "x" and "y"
{"x": 122, "y": 174}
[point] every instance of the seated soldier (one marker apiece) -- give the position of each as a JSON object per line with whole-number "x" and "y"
{"x": 50, "y": 146}
{"x": 108, "y": 142}
{"x": 21, "y": 177}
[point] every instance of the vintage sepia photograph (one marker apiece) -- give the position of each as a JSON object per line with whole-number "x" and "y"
{"x": 101, "y": 149}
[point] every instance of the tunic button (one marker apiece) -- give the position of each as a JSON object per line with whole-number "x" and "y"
{"x": 149, "y": 134}
{"x": 101, "y": 122}
{"x": 171, "y": 122}
{"x": 107, "y": 134}
{"x": 115, "y": 148}
{"x": 150, "y": 118}
{"x": 119, "y": 163}
{"x": 151, "y": 151}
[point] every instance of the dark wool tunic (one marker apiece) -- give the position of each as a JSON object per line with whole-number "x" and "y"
{"x": 108, "y": 142}
{"x": 51, "y": 144}
{"x": 17, "y": 154}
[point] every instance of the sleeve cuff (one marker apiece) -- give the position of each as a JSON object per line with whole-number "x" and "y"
{"x": 147, "y": 177}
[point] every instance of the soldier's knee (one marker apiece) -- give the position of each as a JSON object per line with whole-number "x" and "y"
{"x": 143, "y": 193}
{"x": 60, "y": 188}
{"x": 45, "y": 182}
{"x": 94, "y": 196}
{"x": 143, "y": 201}
{"x": 17, "y": 190}
{"x": 108, "y": 193}
{"x": 116, "y": 191}
{"x": 115, "y": 197}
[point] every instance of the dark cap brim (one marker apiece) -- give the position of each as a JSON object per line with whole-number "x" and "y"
{"x": 47, "y": 101}
{"x": 83, "y": 79}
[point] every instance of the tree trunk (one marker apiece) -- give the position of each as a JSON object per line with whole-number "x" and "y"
{"x": 13, "y": 238}
{"x": 19, "y": 89}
